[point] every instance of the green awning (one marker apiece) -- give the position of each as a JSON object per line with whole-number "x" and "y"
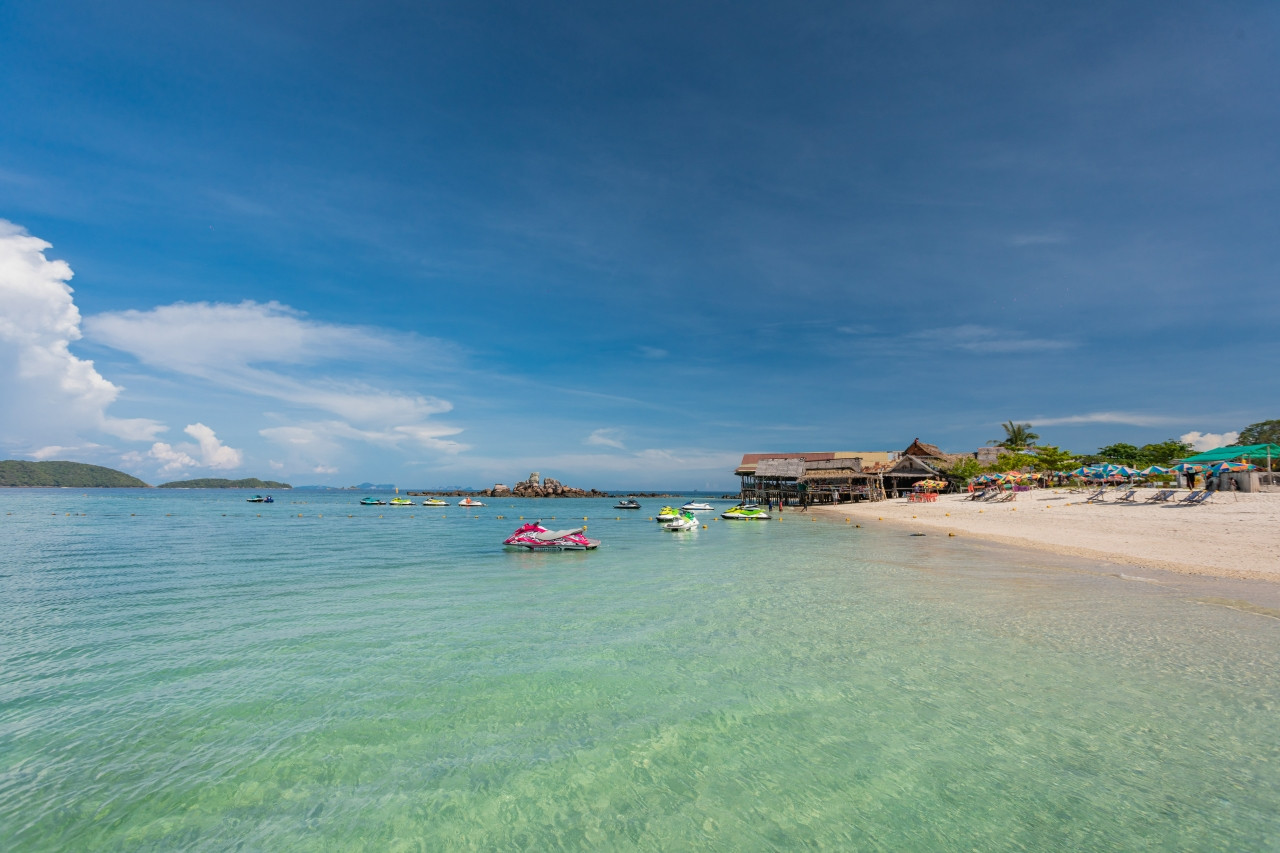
{"x": 1253, "y": 452}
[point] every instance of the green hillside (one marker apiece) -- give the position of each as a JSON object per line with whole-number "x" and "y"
{"x": 251, "y": 483}
{"x": 77, "y": 475}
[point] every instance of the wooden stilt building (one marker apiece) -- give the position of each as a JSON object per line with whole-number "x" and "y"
{"x": 807, "y": 478}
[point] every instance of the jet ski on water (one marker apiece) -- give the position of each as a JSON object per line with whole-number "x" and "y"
{"x": 697, "y": 506}
{"x": 533, "y": 536}
{"x": 627, "y": 503}
{"x": 745, "y": 512}
{"x": 668, "y": 514}
{"x": 685, "y": 521}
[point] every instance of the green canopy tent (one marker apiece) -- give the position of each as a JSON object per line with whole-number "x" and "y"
{"x": 1255, "y": 452}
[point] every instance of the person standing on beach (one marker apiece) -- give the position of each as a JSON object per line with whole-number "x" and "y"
{"x": 1191, "y": 479}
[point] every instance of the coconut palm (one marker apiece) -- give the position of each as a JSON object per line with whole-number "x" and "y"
{"x": 1016, "y": 436}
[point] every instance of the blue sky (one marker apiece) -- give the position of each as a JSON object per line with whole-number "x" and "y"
{"x": 621, "y": 244}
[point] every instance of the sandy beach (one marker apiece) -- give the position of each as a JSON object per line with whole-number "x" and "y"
{"x": 1233, "y": 536}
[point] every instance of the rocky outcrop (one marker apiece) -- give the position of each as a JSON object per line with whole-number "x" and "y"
{"x": 549, "y": 487}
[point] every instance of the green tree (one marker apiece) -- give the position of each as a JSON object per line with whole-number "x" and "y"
{"x": 1012, "y": 462}
{"x": 1016, "y": 436}
{"x": 964, "y": 469}
{"x": 1121, "y": 454}
{"x": 1263, "y": 432}
{"x": 1050, "y": 458}
{"x": 1162, "y": 453}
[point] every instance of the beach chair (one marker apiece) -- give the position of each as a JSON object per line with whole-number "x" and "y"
{"x": 1127, "y": 497}
{"x": 1200, "y": 499}
{"x": 1097, "y": 497}
{"x": 1193, "y": 497}
{"x": 1160, "y": 496}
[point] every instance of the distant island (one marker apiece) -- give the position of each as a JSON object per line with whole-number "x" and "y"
{"x": 250, "y": 483}
{"x": 15, "y": 473}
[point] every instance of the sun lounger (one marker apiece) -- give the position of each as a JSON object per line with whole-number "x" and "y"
{"x": 1097, "y": 497}
{"x": 1127, "y": 497}
{"x": 1198, "y": 500}
{"x": 1194, "y": 497}
{"x": 1160, "y": 496}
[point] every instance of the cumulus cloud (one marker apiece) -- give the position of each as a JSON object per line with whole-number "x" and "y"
{"x": 207, "y": 452}
{"x": 213, "y": 453}
{"x": 606, "y": 438}
{"x": 1209, "y": 440}
{"x": 46, "y": 387}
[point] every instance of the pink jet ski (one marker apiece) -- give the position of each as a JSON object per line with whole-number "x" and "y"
{"x": 535, "y": 537}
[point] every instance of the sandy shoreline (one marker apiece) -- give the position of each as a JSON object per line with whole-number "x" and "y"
{"x": 1234, "y": 536}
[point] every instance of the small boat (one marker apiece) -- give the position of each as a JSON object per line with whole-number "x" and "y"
{"x": 259, "y": 499}
{"x": 434, "y": 502}
{"x": 745, "y": 512}
{"x": 668, "y": 514}
{"x": 469, "y": 502}
{"x": 685, "y": 521}
{"x": 401, "y": 502}
{"x": 372, "y": 502}
{"x": 695, "y": 506}
{"x": 532, "y": 536}
{"x": 627, "y": 503}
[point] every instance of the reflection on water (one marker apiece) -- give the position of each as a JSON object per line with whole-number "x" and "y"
{"x": 187, "y": 671}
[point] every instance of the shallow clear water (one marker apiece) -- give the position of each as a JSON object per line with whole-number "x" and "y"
{"x": 183, "y": 670}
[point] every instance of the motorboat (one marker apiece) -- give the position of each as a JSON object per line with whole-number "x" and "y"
{"x": 435, "y": 502}
{"x": 469, "y": 502}
{"x": 372, "y": 502}
{"x": 532, "y": 536}
{"x": 745, "y": 512}
{"x": 685, "y": 521}
{"x": 696, "y": 506}
{"x": 259, "y": 499}
{"x": 401, "y": 502}
{"x": 627, "y": 503}
{"x": 668, "y": 514}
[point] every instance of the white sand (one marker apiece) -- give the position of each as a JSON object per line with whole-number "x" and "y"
{"x": 1234, "y": 535}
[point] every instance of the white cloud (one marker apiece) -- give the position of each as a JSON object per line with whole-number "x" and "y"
{"x": 256, "y": 348}
{"x": 324, "y": 469}
{"x": 1200, "y": 441}
{"x": 213, "y": 453}
{"x": 984, "y": 339}
{"x": 1127, "y": 418}
{"x": 606, "y": 438}
{"x": 45, "y": 387}
{"x": 315, "y": 442}
{"x": 208, "y": 452}
{"x": 653, "y": 352}
{"x": 53, "y": 451}
{"x": 171, "y": 459}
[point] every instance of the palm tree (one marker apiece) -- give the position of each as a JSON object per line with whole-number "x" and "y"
{"x": 1016, "y": 436}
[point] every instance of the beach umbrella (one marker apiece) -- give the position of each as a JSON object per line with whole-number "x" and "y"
{"x": 1220, "y": 467}
{"x": 1156, "y": 469}
{"x": 1184, "y": 467}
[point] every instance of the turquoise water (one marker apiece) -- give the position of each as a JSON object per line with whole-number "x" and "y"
{"x": 186, "y": 671}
